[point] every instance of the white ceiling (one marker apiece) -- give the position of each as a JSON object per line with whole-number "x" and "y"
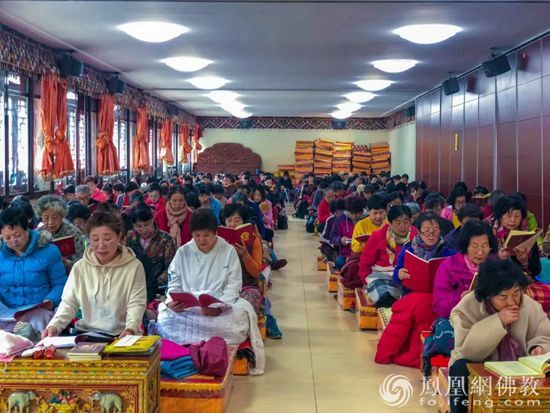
{"x": 286, "y": 58}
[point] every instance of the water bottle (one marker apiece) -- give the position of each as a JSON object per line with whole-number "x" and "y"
{"x": 152, "y": 328}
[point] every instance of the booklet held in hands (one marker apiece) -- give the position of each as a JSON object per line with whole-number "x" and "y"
{"x": 204, "y": 300}
{"x": 422, "y": 272}
{"x": 243, "y": 234}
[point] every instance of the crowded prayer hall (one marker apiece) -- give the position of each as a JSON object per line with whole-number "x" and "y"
{"x": 274, "y": 206}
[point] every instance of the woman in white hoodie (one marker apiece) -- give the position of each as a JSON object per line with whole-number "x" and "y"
{"x": 107, "y": 284}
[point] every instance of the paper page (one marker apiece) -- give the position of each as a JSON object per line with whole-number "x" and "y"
{"x": 536, "y": 362}
{"x": 510, "y": 369}
{"x": 58, "y": 342}
{"x": 127, "y": 341}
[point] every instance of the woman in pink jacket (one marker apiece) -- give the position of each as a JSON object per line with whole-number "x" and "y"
{"x": 454, "y": 277}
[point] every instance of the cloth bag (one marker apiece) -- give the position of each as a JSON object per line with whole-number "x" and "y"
{"x": 210, "y": 357}
{"x": 11, "y": 344}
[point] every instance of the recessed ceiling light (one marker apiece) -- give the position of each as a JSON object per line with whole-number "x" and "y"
{"x": 427, "y": 33}
{"x": 208, "y": 82}
{"x": 394, "y": 65}
{"x": 241, "y": 114}
{"x": 340, "y": 114}
{"x": 349, "y": 106}
{"x": 373, "y": 85}
{"x": 359, "y": 97}
{"x": 222, "y": 96}
{"x": 153, "y": 32}
{"x": 186, "y": 64}
{"x": 233, "y": 106}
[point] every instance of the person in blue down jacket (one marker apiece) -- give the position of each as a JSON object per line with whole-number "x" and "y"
{"x": 31, "y": 272}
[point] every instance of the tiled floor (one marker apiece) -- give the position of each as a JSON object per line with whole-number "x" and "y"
{"x": 323, "y": 363}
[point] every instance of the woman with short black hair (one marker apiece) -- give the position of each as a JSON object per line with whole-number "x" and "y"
{"x": 455, "y": 274}
{"x": 208, "y": 265}
{"x": 498, "y": 322}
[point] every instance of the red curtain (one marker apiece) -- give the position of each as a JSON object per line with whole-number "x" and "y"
{"x": 141, "y": 151}
{"x": 166, "y": 134}
{"x": 48, "y": 116}
{"x": 107, "y": 158}
{"x": 63, "y": 165}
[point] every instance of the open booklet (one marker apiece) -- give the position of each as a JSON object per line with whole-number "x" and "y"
{"x": 530, "y": 366}
{"x": 422, "y": 272}
{"x": 521, "y": 239}
{"x": 204, "y": 300}
{"x": 12, "y": 314}
{"x": 66, "y": 245}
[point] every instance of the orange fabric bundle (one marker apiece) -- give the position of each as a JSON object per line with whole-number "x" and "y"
{"x": 141, "y": 150}
{"x": 166, "y": 141}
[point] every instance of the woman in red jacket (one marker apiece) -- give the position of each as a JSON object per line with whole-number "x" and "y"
{"x": 380, "y": 253}
{"x": 175, "y": 217}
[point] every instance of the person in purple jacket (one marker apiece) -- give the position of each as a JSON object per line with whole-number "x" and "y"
{"x": 342, "y": 230}
{"x": 476, "y": 243}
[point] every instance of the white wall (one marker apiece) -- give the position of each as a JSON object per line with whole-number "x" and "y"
{"x": 403, "y": 149}
{"x": 276, "y": 146}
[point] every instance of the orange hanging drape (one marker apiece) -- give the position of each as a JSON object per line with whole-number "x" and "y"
{"x": 63, "y": 165}
{"x": 197, "y": 133}
{"x": 141, "y": 151}
{"x": 186, "y": 148}
{"x": 107, "y": 157}
{"x": 48, "y": 116}
{"x": 166, "y": 134}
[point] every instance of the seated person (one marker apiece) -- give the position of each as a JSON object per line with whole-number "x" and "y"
{"x": 377, "y": 207}
{"x": 69, "y": 193}
{"x": 209, "y": 265}
{"x": 78, "y": 214}
{"x": 156, "y": 244}
{"x": 337, "y": 208}
{"x": 456, "y": 201}
{"x": 107, "y": 284}
{"x": 427, "y": 244}
{"x": 455, "y": 274}
{"x": 342, "y": 230}
{"x": 154, "y": 199}
{"x": 31, "y": 271}
{"x": 379, "y": 256}
{"x": 52, "y": 210}
{"x": 323, "y": 210}
{"x": 414, "y": 208}
{"x": 469, "y": 212}
{"x": 265, "y": 205}
{"x": 175, "y": 217}
{"x": 208, "y": 201}
{"x": 546, "y": 244}
{"x": 84, "y": 196}
{"x": 434, "y": 202}
{"x": 497, "y": 322}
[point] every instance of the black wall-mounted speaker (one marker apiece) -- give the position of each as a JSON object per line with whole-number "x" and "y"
{"x": 173, "y": 111}
{"x": 451, "y": 86}
{"x": 69, "y": 66}
{"x": 338, "y": 124}
{"x": 410, "y": 112}
{"x": 245, "y": 123}
{"x": 116, "y": 86}
{"x": 496, "y": 66}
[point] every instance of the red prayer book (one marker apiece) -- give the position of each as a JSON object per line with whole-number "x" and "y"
{"x": 204, "y": 300}
{"x": 66, "y": 245}
{"x": 241, "y": 234}
{"x": 422, "y": 272}
{"x": 362, "y": 238}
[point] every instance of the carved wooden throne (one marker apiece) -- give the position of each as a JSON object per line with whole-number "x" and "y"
{"x": 228, "y": 157}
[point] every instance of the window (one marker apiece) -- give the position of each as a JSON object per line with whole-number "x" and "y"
{"x": 2, "y": 135}
{"x": 133, "y": 129}
{"x": 72, "y": 131}
{"x": 80, "y": 165}
{"x": 38, "y": 146}
{"x": 18, "y": 133}
{"x": 151, "y": 139}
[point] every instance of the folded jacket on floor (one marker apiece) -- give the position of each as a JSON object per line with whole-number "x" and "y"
{"x": 178, "y": 368}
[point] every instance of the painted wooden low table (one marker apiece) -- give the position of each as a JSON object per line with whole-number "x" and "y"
{"x": 507, "y": 396}
{"x": 198, "y": 394}
{"x": 345, "y": 296}
{"x": 332, "y": 278}
{"x": 366, "y": 314}
{"x": 113, "y": 385}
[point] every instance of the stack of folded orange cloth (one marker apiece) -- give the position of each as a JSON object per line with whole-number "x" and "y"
{"x": 341, "y": 157}
{"x": 303, "y": 154}
{"x": 380, "y": 157}
{"x": 361, "y": 159}
{"x": 323, "y": 157}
